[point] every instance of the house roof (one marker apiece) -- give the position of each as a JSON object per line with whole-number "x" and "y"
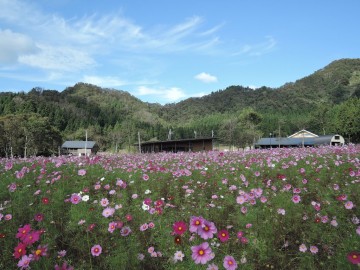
{"x": 303, "y": 131}
{"x": 308, "y": 141}
{"x": 179, "y": 140}
{"x": 79, "y": 144}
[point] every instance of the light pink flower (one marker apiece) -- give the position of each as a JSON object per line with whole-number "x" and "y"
{"x": 96, "y": 250}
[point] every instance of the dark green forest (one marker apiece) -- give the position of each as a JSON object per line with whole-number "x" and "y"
{"x": 38, "y": 121}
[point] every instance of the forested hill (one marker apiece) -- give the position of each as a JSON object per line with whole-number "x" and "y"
{"x": 38, "y": 121}
{"x": 333, "y": 84}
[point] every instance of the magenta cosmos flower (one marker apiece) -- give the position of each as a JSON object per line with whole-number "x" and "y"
{"x": 96, "y": 250}
{"x": 207, "y": 230}
{"x": 202, "y": 253}
{"x": 354, "y": 257}
{"x": 230, "y": 263}
{"x": 179, "y": 227}
{"x": 223, "y": 235}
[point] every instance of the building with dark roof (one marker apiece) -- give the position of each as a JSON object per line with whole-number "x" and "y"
{"x": 79, "y": 148}
{"x": 302, "y": 138}
{"x": 180, "y": 145}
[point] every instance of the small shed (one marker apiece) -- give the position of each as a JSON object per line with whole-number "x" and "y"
{"x": 79, "y": 148}
{"x": 180, "y": 145}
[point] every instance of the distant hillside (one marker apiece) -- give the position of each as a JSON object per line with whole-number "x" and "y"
{"x": 114, "y": 117}
{"x": 333, "y": 84}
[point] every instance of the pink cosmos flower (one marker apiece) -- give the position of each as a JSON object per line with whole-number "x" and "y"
{"x": 195, "y": 223}
{"x": 38, "y": 217}
{"x": 178, "y": 256}
{"x": 314, "y": 249}
{"x": 96, "y": 250}
{"x": 145, "y": 177}
{"x": 112, "y": 227}
{"x": 179, "y": 227}
{"x": 296, "y": 199}
{"x": 244, "y": 240}
{"x": 230, "y": 263}
{"x": 223, "y": 235}
{"x": 240, "y": 234}
{"x": 207, "y": 230}
{"x": 202, "y": 253}
{"x": 75, "y": 198}
{"x": 81, "y": 172}
{"x": 64, "y": 266}
{"x": 12, "y": 187}
{"x": 144, "y": 227}
{"x": 303, "y": 248}
{"x": 62, "y": 253}
{"x": 41, "y": 251}
{"x": 349, "y": 205}
{"x": 240, "y": 199}
{"x": 104, "y": 202}
{"x": 25, "y": 261}
{"x": 108, "y": 212}
{"x": 212, "y": 267}
{"x": 125, "y": 231}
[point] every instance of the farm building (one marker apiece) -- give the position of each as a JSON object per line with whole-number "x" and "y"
{"x": 180, "y": 145}
{"x": 79, "y": 148}
{"x": 302, "y": 138}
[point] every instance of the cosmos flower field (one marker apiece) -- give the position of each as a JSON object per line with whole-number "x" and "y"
{"x": 260, "y": 209}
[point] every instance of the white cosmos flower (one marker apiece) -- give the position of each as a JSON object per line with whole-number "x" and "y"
{"x": 145, "y": 207}
{"x": 85, "y": 198}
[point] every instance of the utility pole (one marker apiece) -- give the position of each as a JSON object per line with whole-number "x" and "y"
{"x": 85, "y": 142}
{"x": 139, "y": 141}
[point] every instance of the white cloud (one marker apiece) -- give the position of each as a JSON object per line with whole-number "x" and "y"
{"x": 169, "y": 94}
{"x": 58, "y": 58}
{"x": 106, "y": 81}
{"x": 206, "y": 78}
{"x": 13, "y": 45}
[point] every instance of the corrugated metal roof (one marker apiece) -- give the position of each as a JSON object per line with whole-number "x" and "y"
{"x": 321, "y": 140}
{"x": 178, "y": 140}
{"x": 78, "y": 144}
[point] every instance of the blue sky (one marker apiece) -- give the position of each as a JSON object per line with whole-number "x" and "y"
{"x": 165, "y": 51}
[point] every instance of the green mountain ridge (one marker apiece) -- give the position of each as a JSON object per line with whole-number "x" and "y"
{"x": 115, "y": 116}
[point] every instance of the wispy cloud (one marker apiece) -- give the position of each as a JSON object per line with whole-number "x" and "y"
{"x": 258, "y": 49}
{"x": 106, "y": 81}
{"x": 206, "y": 78}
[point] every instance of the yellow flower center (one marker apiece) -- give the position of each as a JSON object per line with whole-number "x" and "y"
{"x": 206, "y": 228}
{"x": 223, "y": 234}
{"x": 197, "y": 222}
{"x": 354, "y": 256}
{"x": 230, "y": 263}
{"x": 201, "y": 252}
{"x": 38, "y": 252}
